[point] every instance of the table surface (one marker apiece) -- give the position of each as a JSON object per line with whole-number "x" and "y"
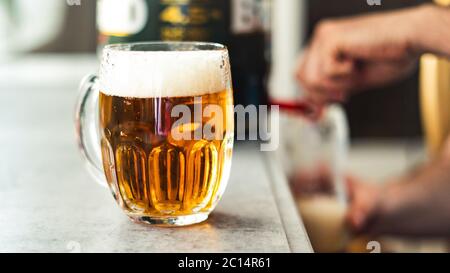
{"x": 50, "y": 204}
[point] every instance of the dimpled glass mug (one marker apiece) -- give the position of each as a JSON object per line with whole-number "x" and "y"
{"x": 160, "y": 171}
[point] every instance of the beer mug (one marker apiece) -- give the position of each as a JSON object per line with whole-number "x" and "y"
{"x": 157, "y": 125}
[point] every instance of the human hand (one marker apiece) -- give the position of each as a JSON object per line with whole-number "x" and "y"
{"x": 357, "y": 53}
{"x": 364, "y": 201}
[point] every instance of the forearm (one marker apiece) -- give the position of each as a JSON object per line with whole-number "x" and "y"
{"x": 420, "y": 207}
{"x": 430, "y": 31}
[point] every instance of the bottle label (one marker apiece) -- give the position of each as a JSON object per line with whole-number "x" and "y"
{"x": 196, "y": 20}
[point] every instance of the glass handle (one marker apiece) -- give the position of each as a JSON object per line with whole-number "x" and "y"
{"x": 86, "y": 122}
{"x": 335, "y": 124}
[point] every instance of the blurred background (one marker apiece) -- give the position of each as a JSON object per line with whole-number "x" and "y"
{"x": 55, "y": 42}
{"x": 57, "y": 27}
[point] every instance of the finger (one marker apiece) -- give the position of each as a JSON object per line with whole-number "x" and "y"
{"x": 336, "y": 64}
{"x": 360, "y": 202}
{"x": 316, "y": 97}
{"x": 336, "y": 68}
{"x": 322, "y": 96}
{"x": 301, "y": 66}
{"x": 311, "y": 77}
{"x": 355, "y": 219}
{"x": 306, "y": 82}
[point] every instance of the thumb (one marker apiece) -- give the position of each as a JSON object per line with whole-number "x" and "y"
{"x": 361, "y": 203}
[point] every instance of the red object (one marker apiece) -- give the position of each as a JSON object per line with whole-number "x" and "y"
{"x": 303, "y": 108}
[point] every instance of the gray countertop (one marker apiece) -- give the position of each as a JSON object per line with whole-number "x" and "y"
{"x": 48, "y": 202}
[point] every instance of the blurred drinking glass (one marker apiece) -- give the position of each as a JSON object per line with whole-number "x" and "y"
{"x": 317, "y": 151}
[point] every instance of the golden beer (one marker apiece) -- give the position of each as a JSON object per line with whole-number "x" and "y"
{"x": 152, "y": 173}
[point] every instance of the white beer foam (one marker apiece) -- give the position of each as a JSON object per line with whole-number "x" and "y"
{"x": 150, "y": 74}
